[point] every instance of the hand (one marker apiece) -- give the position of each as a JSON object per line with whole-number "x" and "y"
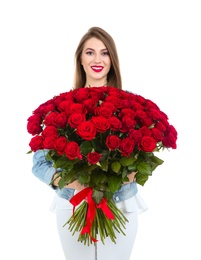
{"x": 74, "y": 185}
{"x": 131, "y": 177}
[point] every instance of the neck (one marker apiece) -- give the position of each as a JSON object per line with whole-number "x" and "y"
{"x": 96, "y": 83}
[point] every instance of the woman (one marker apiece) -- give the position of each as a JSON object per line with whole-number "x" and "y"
{"x": 96, "y": 64}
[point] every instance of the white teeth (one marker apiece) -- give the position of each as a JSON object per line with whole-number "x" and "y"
{"x": 97, "y": 68}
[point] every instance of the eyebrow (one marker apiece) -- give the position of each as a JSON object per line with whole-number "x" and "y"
{"x": 91, "y": 49}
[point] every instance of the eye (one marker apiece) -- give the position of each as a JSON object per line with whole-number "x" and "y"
{"x": 89, "y": 52}
{"x": 105, "y": 53}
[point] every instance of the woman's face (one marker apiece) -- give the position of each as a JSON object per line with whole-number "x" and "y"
{"x": 96, "y": 62}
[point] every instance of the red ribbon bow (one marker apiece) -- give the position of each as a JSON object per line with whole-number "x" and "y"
{"x": 91, "y": 211}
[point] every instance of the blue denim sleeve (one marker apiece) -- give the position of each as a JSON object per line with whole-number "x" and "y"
{"x": 44, "y": 171}
{"x": 43, "y": 168}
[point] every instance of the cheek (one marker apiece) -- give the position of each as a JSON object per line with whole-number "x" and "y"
{"x": 108, "y": 63}
{"x": 86, "y": 64}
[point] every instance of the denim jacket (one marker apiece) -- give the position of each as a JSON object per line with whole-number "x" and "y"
{"x": 44, "y": 171}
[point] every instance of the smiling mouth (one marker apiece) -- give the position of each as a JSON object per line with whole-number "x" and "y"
{"x": 97, "y": 68}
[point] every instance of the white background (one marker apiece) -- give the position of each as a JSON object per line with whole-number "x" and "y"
{"x": 160, "y": 55}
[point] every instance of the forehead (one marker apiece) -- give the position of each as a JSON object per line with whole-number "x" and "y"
{"x": 94, "y": 43}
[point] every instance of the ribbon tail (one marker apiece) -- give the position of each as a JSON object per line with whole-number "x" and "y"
{"x": 103, "y": 205}
{"x": 91, "y": 213}
{"x": 80, "y": 196}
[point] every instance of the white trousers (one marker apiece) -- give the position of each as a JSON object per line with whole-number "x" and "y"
{"x": 74, "y": 250}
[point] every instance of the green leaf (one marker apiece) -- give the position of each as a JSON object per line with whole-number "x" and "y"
{"x": 97, "y": 196}
{"x": 126, "y": 179}
{"x": 84, "y": 178}
{"x": 114, "y": 183}
{"x": 86, "y": 168}
{"x": 141, "y": 178}
{"x": 156, "y": 160}
{"x": 104, "y": 165}
{"x": 86, "y": 147}
{"x": 48, "y": 156}
{"x": 66, "y": 178}
{"x": 98, "y": 177}
{"x": 124, "y": 172}
{"x": 132, "y": 167}
{"x": 61, "y": 183}
{"x": 116, "y": 166}
{"x": 125, "y": 161}
{"x": 144, "y": 168}
{"x": 108, "y": 195}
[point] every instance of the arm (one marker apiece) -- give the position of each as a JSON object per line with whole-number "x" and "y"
{"x": 131, "y": 177}
{"x": 74, "y": 185}
{"x": 42, "y": 168}
{"x": 45, "y": 172}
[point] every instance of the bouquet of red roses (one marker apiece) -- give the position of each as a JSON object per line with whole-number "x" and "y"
{"x": 99, "y": 136}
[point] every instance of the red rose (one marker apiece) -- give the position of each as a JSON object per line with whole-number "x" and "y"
{"x": 127, "y": 146}
{"x": 75, "y": 108}
{"x": 34, "y": 125}
{"x": 81, "y": 94}
{"x": 160, "y": 126}
{"x": 135, "y": 135}
{"x": 48, "y": 142}
{"x": 36, "y": 143}
{"x": 140, "y": 115}
{"x": 60, "y": 144}
{"x": 171, "y": 129}
{"x": 147, "y": 121}
{"x": 90, "y": 104}
{"x": 64, "y": 105}
{"x": 136, "y": 106}
{"x": 104, "y": 111}
{"x": 126, "y": 103}
{"x": 155, "y": 114}
{"x": 61, "y": 120}
{"x": 113, "y": 142}
{"x": 170, "y": 141}
{"x": 150, "y": 104}
{"x": 44, "y": 108}
{"x": 128, "y": 122}
{"x": 93, "y": 157}
{"x": 101, "y": 123}
{"x": 126, "y": 95}
{"x": 86, "y": 130}
{"x": 50, "y": 118}
{"x": 109, "y": 105}
{"x": 67, "y": 95}
{"x": 157, "y": 134}
{"x": 127, "y": 112}
{"x": 140, "y": 99}
{"x": 97, "y": 93}
{"x": 49, "y": 131}
{"x": 35, "y": 117}
{"x": 72, "y": 150}
{"x": 117, "y": 102}
{"x": 58, "y": 99}
{"x": 145, "y": 131}
{"x": 114, "y": 92}
{"x": 75, "y": 119}
{"x": 47, "y": 108}
{"x": 115, "y": 123}
{"x": 147, "y": 144}
{"x": 164, "y": 116}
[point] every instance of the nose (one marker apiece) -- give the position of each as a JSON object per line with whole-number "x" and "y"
{"x": 97, "y": 58}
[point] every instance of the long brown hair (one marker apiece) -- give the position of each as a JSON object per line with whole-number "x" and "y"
{"x": 114, "y": 75}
